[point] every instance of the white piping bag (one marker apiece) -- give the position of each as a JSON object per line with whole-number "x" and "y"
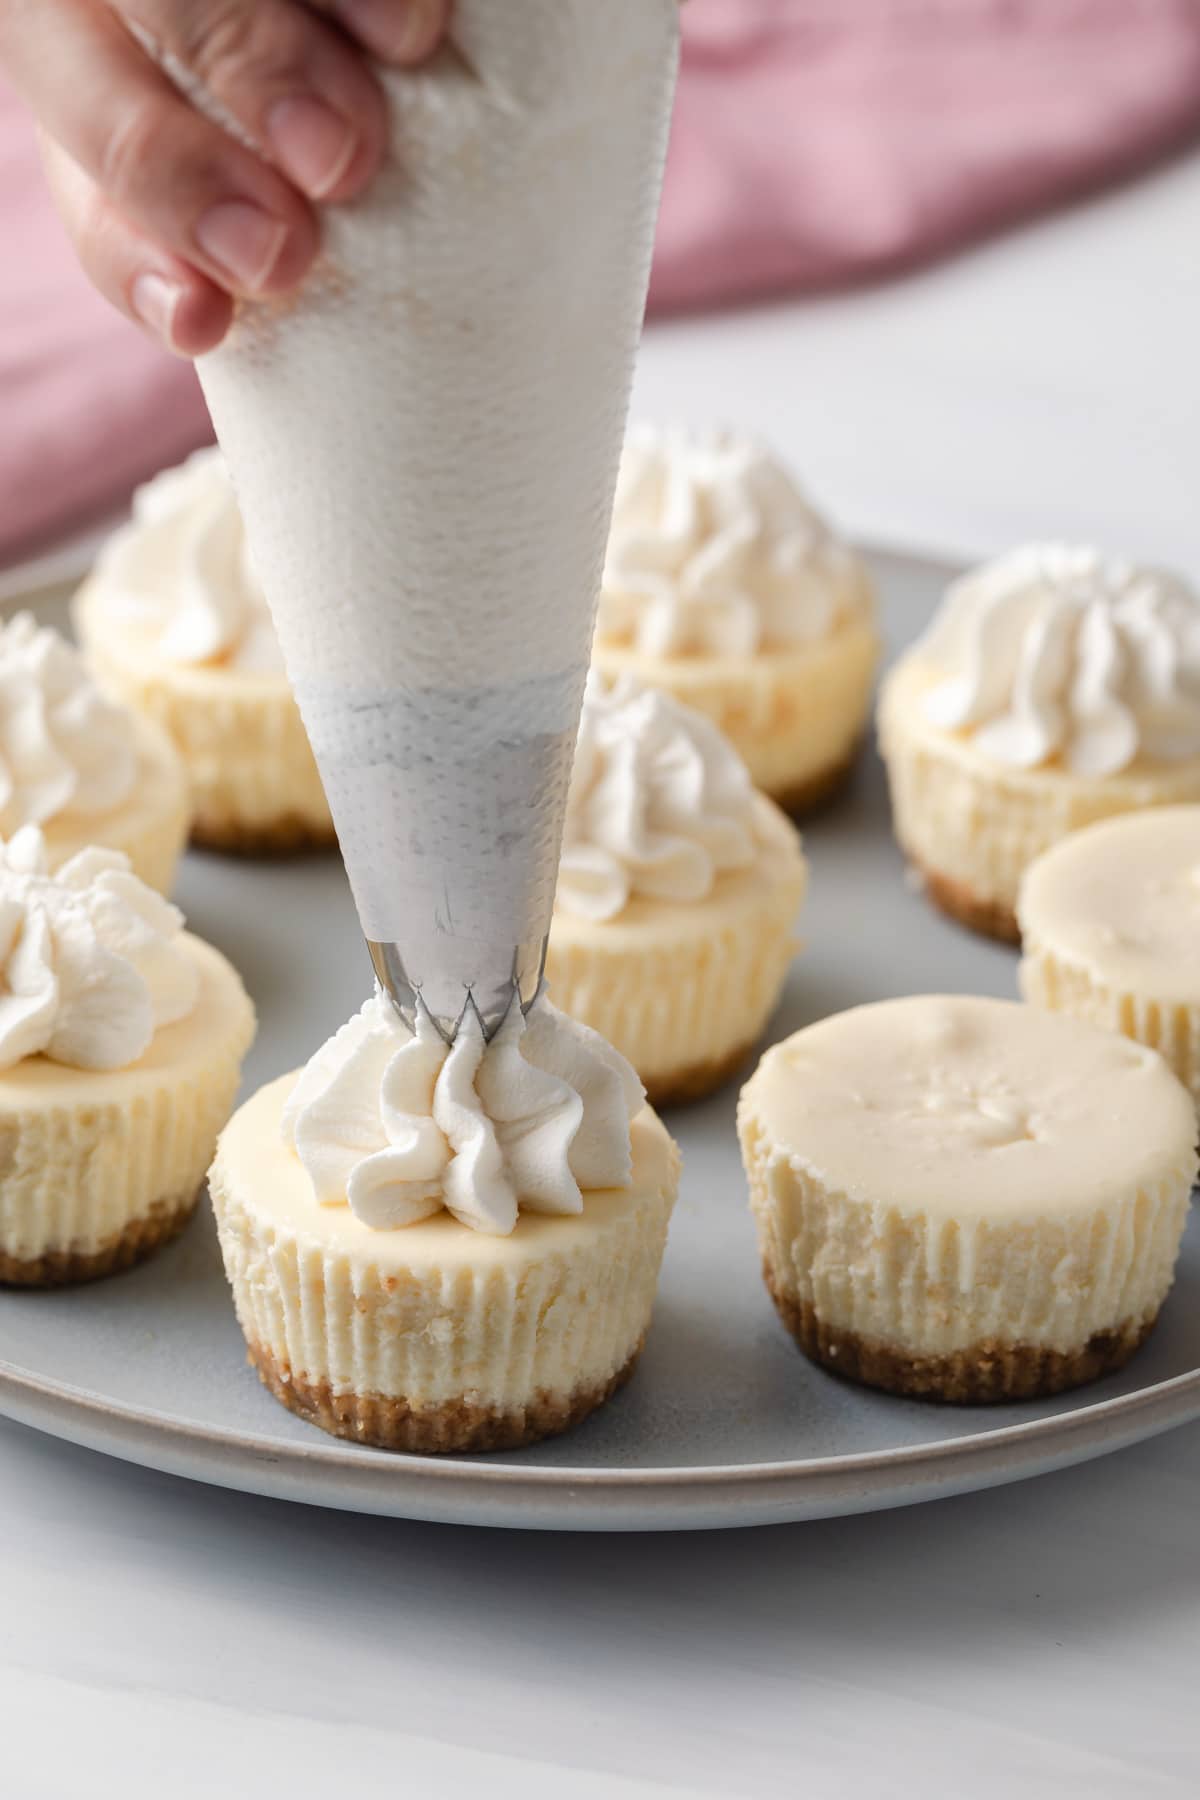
{"x": 424, "y": 445}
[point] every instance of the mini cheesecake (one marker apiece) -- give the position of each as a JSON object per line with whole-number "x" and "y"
{"x": 174, "y": 623}
{"x": 121, "y": 1041}
{"x": 1054, "y": 688}
{"x": 1110, "y": 925}
{"x": 80, "y": 768}
{"x": 685, "y": 989}
{"x": 105, "y": 1166}
{"x": 435, "y": 1338}
{"x": 967, "y": 1200}
{"x": 678, "y": 891}
{"x": 446, "y": 1249}
{"x": 726, "y": 589}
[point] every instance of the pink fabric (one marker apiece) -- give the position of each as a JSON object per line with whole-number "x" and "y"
{"x": 815, "y": 142}
{"x": 822, "y": 141}
{"x": 88, "y": 406}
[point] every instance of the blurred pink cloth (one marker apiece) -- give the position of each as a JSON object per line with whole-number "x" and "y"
{"x": 816, "y": 142}
{"x": 88, "y": 406}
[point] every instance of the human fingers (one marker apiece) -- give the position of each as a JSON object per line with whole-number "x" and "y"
{"x": 167, "y": 297}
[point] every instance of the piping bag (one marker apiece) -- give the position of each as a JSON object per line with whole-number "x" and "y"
{"x": 424, "y": 444}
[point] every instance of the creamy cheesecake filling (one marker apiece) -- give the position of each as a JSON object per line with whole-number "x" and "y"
{"x": 964, "y": 1108}
{"x": 947, "y": 1176}
{"x": 1122, "y": 900}
{"x": 1110, "y": 920}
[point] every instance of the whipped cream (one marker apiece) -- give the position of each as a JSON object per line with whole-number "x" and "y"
{"x": 398, "y": 1126}
{"x": 64, "y": 748}
{"x": 1056, "y": 652}
{"x": 180, "y": 570}
{"x": 660, "y": 804}
{"x": 714, "y": 550}
{"x": 90, "y": 962}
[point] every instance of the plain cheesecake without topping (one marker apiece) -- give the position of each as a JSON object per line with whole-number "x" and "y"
{"x": 967, "y": 1199}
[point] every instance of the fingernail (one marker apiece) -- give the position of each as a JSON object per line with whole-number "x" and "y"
{"x": 243, "y": 240}
{"x": 154, "y": 300}
{"x": 312, "y": 145}
{"x": 397, "y": 30}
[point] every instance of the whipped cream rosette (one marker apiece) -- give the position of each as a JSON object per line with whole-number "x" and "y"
{"x": 660, "y": 804}
{"x": 726, "y": 587}
{"x": 1057, "y": 654}
{"x": 1056, "y": 687}
{"x": 87, "y": 771}
{"x": 179, "y": 573}
{"x": 715, "y": 550}
{"x": 399, "y": 1125}
{"x": 121, "y": 1039}
{"x": 678, "y": 892}
{"x": 174, "y": 621}
{"x": 64, "y": 748}
{"x": 90, "y": 959}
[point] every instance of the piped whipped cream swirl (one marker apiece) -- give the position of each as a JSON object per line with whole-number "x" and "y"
{"x": 64, "y": 748}
{"x": 660, "y": 804}
{"x": 90, "y": 962}
{"x": 714, "y": 550}
{"x": 1055, "y": 652}
{"x": 399, "y": 1126}
{"x": 180, "y": 570}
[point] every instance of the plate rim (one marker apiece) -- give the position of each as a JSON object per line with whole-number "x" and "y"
{"x": 1178, "y": 1394}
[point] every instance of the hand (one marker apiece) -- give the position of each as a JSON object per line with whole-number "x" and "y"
{"x": 171, "y": 216}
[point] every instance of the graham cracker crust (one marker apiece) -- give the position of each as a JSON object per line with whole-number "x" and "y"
{"x": 991, "y": 918}
{"x": 138, "y": 1240}
{"x": 986, "y": 1373}
{"x": 291, "y": 835}
{"x": 817, "y": 790}
{"x": 388, "y": 1423}
{"x": 696, "y": 1080}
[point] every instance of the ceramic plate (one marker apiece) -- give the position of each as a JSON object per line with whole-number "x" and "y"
{"x": 724, "y": 1423}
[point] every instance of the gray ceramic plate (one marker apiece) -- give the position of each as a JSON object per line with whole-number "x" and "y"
{"x": 725, "y": 1423}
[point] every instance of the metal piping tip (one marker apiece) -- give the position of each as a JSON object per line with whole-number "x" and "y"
{"x": 446, "y": 997}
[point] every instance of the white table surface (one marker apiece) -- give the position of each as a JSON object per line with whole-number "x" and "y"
{"x": 160, "y": 1641}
